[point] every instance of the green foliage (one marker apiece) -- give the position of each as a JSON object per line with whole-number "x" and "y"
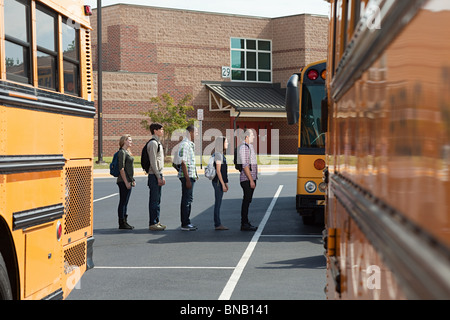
{"x": 172, "y": 116}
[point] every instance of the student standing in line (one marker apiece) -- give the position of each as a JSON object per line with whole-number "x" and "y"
{"x": 248, "y": 177}
{"x": 220, "y": 181}
{"x": 155, "y": 176}
{"x": 125, "y": 181}
{"x": 188, "y": 176}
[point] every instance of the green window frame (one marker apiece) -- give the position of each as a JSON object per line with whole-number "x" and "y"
{"x": 251, "y": 60}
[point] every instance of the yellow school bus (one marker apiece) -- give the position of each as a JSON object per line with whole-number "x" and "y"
{"x": 46, "y": 147}
{"x": 387, "y": 211}
{"x": 304, "y": 95}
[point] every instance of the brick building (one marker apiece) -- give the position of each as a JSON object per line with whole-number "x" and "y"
{"x": 148, "y": 51}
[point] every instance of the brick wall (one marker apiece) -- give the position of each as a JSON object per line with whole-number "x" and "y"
{"x": 149, "y": 51}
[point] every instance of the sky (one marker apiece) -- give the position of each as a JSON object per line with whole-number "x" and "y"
{"x": 259, "y": 8}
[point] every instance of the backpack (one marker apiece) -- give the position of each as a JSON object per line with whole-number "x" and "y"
{"x": 176, "y": 166}
{"x": 176, "y": 163}
{"x": 114, "y": 165}
{"x": 145, "y": 160}
{"x": 210, "y": 170}
{"x": 237, "y": 159}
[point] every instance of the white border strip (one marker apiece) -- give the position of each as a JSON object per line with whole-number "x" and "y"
{"x": 235, "y": 276}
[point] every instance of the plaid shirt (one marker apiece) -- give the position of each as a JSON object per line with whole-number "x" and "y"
{"x": 186, "y": 153}
{"x": 247, "y": 155}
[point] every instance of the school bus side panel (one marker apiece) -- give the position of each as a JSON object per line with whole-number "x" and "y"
{"x": 46, "y": 158}
{"x": 388, "y": 145}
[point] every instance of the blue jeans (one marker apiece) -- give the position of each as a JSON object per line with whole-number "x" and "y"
{"x": 218, "y": 195}
{"x": 187, "y": 196}
{"x": 154, "y": 199}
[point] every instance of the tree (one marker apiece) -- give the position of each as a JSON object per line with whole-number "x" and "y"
{"x": 172, "y": 116}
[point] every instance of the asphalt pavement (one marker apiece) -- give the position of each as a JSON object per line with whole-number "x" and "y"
{"x": 282, "y": 260}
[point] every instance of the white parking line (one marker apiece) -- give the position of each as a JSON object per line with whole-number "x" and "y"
{"x": 232, "y": 282}
{"x": 293, "y": 235}
{"x": 111, "y": 195}
{"x": 162, "y": 267}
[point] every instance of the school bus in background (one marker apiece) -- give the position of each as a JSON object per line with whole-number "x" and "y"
{"x": 46, "y": 147}
{"x": 304, "y": 94}
{"x": 387, "y": 214}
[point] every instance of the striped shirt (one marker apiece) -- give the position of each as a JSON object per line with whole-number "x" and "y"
{"x": 186, "y": 153}
{"x": 247, "y": 155}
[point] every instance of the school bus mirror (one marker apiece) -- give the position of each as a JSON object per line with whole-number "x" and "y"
{"x": 292, "y": 100}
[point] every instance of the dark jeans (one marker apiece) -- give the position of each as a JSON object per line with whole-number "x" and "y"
{"x": 123, "y": 200}
{"x": 154, "y": 199}
{"x": 187, "y": 196}
{"x": 218, "y": 195}
{"x": 248, "y": 195}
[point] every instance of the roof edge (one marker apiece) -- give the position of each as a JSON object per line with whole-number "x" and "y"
{"x": 213, "y": 12}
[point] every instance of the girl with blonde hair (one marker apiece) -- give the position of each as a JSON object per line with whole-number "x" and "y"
{"x": 125, "y": 181}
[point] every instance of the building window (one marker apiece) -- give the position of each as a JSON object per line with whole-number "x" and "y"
{"x": 17, "y": 41}
{"x": 251, "y": 60}
{"x": 47, "y": 53}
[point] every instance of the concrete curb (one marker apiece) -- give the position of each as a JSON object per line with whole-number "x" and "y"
{"x": 104, "y": 173}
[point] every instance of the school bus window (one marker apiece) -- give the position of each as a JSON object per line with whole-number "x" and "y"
{"x": 350, "y": 12}
{"x": 345, "y": 24}
{"x": 311, "y": 127}
{"x": 71, "y": 66}
{"x": 46, "y": 48}
{"x": 71, "y": 79}
{"x": 332, "y": 53}
{"x": 17, "y": 40}
{"x": 338, "y": 34}
{"x": 356, "y": 13}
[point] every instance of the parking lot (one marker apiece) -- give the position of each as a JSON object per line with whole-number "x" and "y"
{"x": 282, "y": 260}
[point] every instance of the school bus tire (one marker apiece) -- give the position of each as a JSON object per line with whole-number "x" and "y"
{"x": 5, "y": 285}
{"x": 308, "y": 220}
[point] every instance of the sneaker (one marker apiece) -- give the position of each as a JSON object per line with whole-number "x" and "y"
{"x": 156, "y": 227}
{"x": 159, "y": 223}
{"x": 221, "y": 227}
{"x": 189, "y": 227}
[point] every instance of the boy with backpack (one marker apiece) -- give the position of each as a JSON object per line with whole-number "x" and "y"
{"x": 249, "y": 174}
{"x": 152, "y": 160}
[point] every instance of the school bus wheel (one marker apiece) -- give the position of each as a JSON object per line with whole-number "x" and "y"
{"x": 5, "y": 286}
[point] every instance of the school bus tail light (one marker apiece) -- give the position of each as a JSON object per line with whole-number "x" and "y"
{"x": 319, "y": 164}
{"x": 324, "y": 74}
{"x": 58, "y": 230}
{"x": 313, "y": 74}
